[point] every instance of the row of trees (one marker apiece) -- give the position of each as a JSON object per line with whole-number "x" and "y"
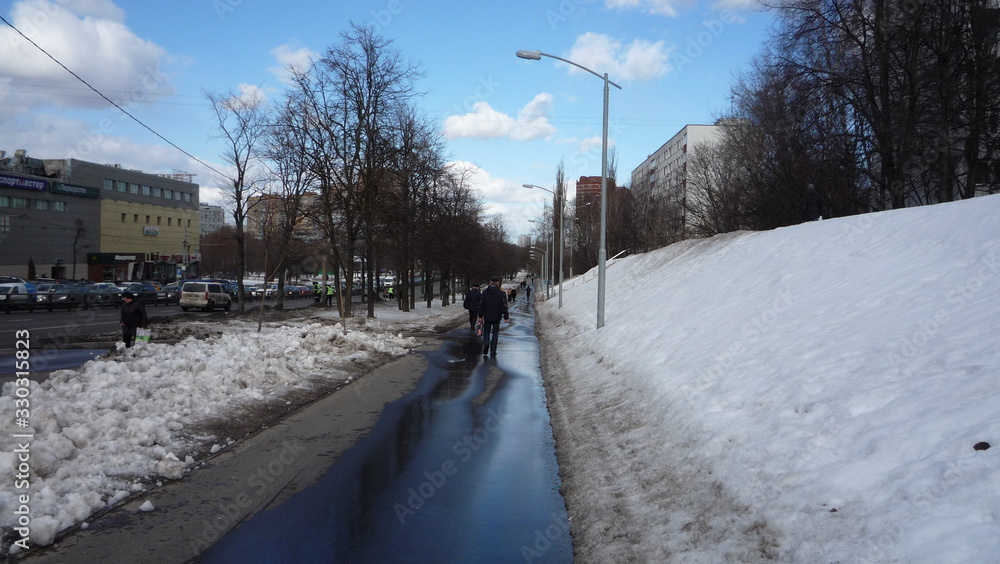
{"x": 878, "y": 103}
{"x": 346, "y": 167}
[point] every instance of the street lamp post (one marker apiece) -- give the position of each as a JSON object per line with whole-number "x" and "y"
{"x": 602, "y": 253}
{"x": 562, "y": 233}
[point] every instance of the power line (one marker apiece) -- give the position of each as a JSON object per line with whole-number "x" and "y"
{"x": 109, "y": 100}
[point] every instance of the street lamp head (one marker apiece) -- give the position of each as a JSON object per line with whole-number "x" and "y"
{"x": 527, "y": 186}
{"x": 532, "y": 55}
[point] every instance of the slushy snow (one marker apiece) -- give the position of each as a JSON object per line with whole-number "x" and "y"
{"x": 828, "y": 381}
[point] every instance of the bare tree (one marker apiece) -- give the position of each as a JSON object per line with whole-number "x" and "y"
{"x": 285, "y": 149}
{"x": 240, "y": 123}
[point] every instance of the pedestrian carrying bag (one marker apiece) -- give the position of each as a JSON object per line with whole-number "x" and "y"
{"x": 142, "y": 335}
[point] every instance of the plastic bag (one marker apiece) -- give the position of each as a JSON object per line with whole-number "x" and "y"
{"x": 142, "y": 335}
{"x": 479, "y": 327}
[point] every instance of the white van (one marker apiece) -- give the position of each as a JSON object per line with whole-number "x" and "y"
{"x": 206, "y": 295}
{"x": 14, "y": 295}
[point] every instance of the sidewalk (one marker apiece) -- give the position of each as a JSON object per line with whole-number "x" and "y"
{"x": 190, "y": 514}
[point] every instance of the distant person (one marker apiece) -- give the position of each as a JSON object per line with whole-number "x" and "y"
{"x": 471, "y": 303}
{"x": 512, "y": 294}
{"x": 492, "y": 308}
{"x": 527, "y": 293}
{"x": 329, "y": 295}
{"x": 812, "y": 204}
{"x": 133, "y": 317}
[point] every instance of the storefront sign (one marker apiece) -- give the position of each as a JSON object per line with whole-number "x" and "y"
{"x": 111, "y": 258}
{"x": 151, "y": 230}
{"x": 11, "y": 181}
{"x": 69, "y": 189}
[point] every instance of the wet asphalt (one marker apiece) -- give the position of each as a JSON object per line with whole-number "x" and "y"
{"x": 461, "y": 469}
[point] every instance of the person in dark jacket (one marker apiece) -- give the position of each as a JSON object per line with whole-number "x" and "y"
{"x": 471, "y": 303}
{"x": 492, "y": 308}
{"x": 133, "y": 317}
{"x": 812, "y": 204}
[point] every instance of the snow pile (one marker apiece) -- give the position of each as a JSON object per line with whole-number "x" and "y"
{"x": 98, "y": 431}
{"x": 830, "y": 378}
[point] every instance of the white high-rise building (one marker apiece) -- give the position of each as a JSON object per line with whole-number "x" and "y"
{"x": 664, "y": 173}
{"x": 212, "y": 218}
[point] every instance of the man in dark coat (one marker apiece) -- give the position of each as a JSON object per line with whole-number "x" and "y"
{"x": 812, "y": 204}
{"x": 471, "y": 303}
{"x": 492, "y": 308}
{"x": 133, "y": 317}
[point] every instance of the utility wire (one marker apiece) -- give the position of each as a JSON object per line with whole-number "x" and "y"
{"x": 110, "y": 101}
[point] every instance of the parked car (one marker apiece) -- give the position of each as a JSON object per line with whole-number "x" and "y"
{"x": 104, "y": 295}
{"x": 67, "y": 296}
{"x": 142, "y": 291}
{"x": 169, "y": 294}
{"x": 18, "y": 295}
{"x": 205, "y": 295}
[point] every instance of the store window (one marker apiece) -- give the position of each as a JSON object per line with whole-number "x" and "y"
{"x": 21, "y": 203}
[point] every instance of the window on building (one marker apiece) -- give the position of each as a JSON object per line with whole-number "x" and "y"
{"x": 42, "y": 205}
{"x": 187, "y": 197}
{"x": 158, "y": 220}
{"x": 19, "y": 202}
{"x": 121, "y": 185}
{"x": 170, "y": 221}
{"x": 4, "y": 201}
{"x": 146, "y": 190}
{"x": 135, "y": 218}
{"x": 147, "y": 220}
{"x": 4, "y": 223}
{"x": 168, "y": 194}
{"x": 59, "y": 206}
{"x": 123, "y": 218}
{"x": 189, "y": 223}
{"x": 133, "y": 188}
{"x": 109, "y": 184}
{"x": 177, "y": 195}
{"x": 157, "y": 192}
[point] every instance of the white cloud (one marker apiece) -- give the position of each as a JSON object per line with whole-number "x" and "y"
{"x": 88, "y": 37}
{"x": 641, "y": 60}
{"x": 289, "y": 58}
{"x": 517, "y": 205}
{"x": 657, "y": 7}
{"x": 483, "y": 122}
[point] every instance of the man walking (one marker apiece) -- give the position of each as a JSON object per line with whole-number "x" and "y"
{"x": 492, "y": 308}
{"x": 471, "y": 303}
{"x": 133, "y": 316}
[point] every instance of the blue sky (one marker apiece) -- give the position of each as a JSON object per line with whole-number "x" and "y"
{"x": 510, "y": 119}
